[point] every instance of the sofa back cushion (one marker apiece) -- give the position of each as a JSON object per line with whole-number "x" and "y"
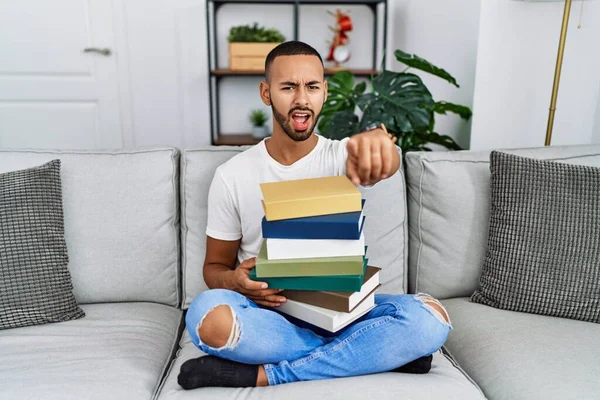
{"x": 449, "y": 210}
{"x": 121, "y": 221}
{"x": 385, "y": 224}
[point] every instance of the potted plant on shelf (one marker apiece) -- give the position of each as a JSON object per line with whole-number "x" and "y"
{"x": 400, "y": 100}
{"x": 258, "y": 118}
{"x": 249, "y": 46}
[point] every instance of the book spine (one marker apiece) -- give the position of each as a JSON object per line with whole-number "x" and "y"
{"x": 313, "y": 207}
{"x": 308, "y": 269}
{"x": 327, "y": 300}
{"x": 285, "y": 229}
{"x": 350, "y": 283}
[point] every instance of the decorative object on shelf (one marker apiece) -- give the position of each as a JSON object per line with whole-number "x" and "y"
{"x": 339, "y": 52}
{"x": 400, "y": 100}
{"x": 249, "y": 46}
{"x": 258, "y": 118}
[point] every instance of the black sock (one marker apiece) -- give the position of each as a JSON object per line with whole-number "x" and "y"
{"x": 419, "y": 366}
{"x": 215, "y": 371}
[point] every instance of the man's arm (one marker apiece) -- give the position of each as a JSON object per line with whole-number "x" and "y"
{"x": 219, "y": 262}
{"x": 220, "y": 273}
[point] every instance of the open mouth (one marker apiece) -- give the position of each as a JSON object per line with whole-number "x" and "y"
{"x": 301, "y": 119}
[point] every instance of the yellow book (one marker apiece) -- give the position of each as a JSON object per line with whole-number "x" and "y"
{"x": 309, "y": 197}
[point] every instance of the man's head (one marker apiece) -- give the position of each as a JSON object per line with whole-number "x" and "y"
{"x": 295, "y": 88}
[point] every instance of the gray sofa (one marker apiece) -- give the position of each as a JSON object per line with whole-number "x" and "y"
{"x": 135, "y": 225}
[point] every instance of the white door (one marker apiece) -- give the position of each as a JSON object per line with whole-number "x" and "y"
{"x": 53, "y": 92}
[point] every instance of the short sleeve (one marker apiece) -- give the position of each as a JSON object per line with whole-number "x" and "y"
{"x": 223, "y": 217}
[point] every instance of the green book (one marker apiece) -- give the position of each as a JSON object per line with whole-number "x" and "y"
{"x": 322, "y": 266}
{"x": 333, "y": 283}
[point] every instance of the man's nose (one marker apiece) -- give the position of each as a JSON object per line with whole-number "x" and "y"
{"x": 301, "y": 97}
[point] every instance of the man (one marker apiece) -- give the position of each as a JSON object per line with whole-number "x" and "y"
{"x": 249, "y": 344}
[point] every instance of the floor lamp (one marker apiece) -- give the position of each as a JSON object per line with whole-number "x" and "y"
{"x": 557, "y": 71}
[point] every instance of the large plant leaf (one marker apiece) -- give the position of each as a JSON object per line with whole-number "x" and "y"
{"x": 443, "y": 140}
{"x": 441, "y": 107}
{"x": 404, "y": 98}
{"x": 341, "y": 124}
{"x": 419, "y": 63}
{"x": 341, "y": 96}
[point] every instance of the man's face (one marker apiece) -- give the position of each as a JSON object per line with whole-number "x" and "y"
{"x": 296, "y": 93}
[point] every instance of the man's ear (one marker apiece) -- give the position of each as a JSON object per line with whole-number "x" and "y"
{"x": 325, "y": 87}
{"x": 265, "y": 94}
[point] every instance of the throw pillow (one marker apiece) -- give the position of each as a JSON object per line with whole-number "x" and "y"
{"x": 35, "y": 281}
{"x": 543, "y": 253}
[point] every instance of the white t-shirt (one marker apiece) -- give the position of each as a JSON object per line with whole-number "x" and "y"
{"x": 234, "y": 200}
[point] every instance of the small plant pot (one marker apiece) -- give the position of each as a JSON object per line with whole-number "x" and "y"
{"x": 260, "y": 132}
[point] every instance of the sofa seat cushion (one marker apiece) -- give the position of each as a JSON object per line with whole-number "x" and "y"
{"x": 514, "y": 355}
{"x": 118, "y": 351}
{"x": 445, "y": 381}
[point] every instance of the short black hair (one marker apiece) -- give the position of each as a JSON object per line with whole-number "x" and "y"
{"x": 290, "y": 48}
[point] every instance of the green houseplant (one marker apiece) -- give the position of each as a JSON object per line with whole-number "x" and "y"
{"x": 400, "y": 100}
{"x": 249, "y": 46}
{"x": 254, "y": 33}
{"x": 258, "y": 118}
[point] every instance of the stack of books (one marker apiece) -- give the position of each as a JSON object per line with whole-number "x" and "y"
{"x": 314, "y": 248}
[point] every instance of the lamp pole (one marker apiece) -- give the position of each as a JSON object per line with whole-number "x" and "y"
{"x": 559, "y": 59}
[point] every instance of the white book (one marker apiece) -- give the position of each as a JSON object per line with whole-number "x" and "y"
{"x": 286, "y": 249}
{"x": 324, "y": 318}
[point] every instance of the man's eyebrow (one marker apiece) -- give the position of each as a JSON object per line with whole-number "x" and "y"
{"x": 290, "y": 83}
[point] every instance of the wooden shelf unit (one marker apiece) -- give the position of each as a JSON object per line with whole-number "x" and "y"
{"x": 217, "y": 74}
{"x": 236, "y": 140}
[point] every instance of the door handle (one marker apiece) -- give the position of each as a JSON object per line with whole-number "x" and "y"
{"x": 104, "y": 52}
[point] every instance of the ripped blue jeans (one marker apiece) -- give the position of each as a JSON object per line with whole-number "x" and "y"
{"x": 400, "y": 329}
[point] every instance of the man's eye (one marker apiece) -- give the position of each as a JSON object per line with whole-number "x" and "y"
{"x": 287, "y": 87}
{"x": 313, "y": 87}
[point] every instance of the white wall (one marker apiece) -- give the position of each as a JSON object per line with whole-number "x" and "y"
{"x": 518, "y": 43}
{"x": 445, "y": 33}
{"x": 596, "y": 133}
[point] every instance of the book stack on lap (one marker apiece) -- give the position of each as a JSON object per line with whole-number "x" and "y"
{"x": 314, "y": 248}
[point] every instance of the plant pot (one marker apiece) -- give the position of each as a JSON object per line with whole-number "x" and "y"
{"x": 249, "y": 56}
{"x": 260, "y": 132}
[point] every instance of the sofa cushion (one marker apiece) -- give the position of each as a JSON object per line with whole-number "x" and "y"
{"x": 118, "y": 351}
{"x": 34, "y": 275}
{"x": 543, "y": 253}
{"x": 385, "y": 224}
{"x": 445, "y": 380}
{"x": 121, "y": 217}
{"x": 449, "y": 211}
{"x": 514, "y": 355}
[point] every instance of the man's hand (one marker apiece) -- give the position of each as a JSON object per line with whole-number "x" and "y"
{"x": 255, "y": 291}
{"x": 372, "y": 156}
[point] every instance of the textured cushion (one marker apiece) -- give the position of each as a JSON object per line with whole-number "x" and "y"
{"x": 385, "y": 225}
{"x": 118, "y": 351}
{"x": 514, "y": 355}
{"x": 543, "y": 253}
{"x": 121, "y": 221}
{"x": 34, "y": 275}
{"x": 445, "y": 381}
{"x": 448, "y": 214}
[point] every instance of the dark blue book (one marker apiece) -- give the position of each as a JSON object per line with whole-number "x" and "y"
{"x": 331, "y": 226}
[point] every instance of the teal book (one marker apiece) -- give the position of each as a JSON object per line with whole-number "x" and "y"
{"x": 334, "y": 283}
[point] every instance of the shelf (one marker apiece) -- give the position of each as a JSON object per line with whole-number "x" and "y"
{"x": 228, "y": 72}
{"x": 236, "y": 140}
